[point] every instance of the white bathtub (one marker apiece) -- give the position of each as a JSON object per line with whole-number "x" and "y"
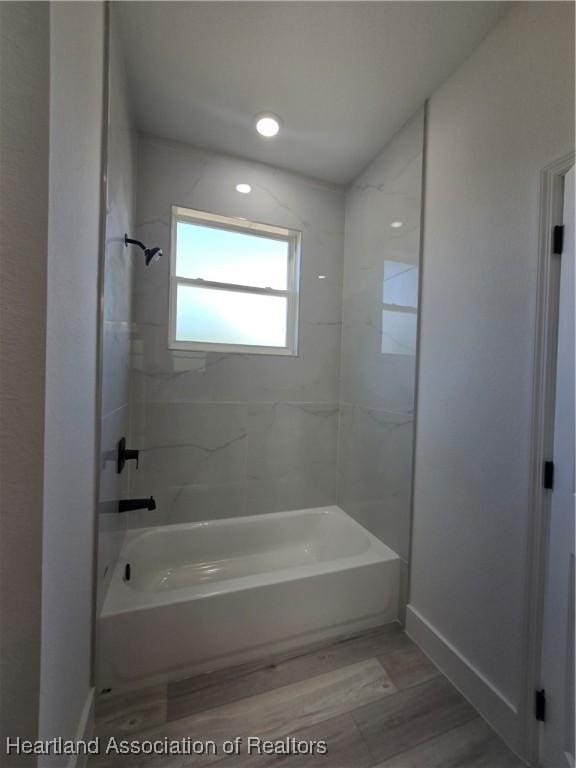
{"x": 203, "y": 596}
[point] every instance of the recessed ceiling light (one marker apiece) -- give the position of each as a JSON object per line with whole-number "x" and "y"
{"x": 396, "y": 224}
{"x": 244, "y": 189}
{"x": 321, "y": 277}
{"x": 267, "y": 125}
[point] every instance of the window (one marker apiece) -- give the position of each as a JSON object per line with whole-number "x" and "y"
{"x": 233, "y": 284}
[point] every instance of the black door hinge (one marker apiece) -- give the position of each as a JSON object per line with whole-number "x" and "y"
{"x": 540, "y": 705}
{"x": 558, "y": 239}
{"x": 548, "y": 479}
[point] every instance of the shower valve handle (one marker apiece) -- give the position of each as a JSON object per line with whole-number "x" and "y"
{"x": 125, "y": 454}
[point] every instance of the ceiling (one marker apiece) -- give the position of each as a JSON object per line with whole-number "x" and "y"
{"x": 343, "y": 76}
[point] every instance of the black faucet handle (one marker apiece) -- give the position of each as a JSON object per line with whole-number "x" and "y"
{"x": 125, "y": 454}
{"x": 131, "y": 454}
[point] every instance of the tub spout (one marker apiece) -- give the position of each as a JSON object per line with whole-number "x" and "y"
{"x": 130, "y": 505}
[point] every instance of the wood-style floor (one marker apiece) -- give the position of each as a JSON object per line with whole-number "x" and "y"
{"x": 375, "y": 699}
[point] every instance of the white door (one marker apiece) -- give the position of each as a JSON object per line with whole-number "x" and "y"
{"x": 558, "y": 640}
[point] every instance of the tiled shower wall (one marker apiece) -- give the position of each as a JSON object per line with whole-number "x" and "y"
{"x": 380, "y": 301}
{"x": 117, "y": 299}
{"x": 230, "y": 434}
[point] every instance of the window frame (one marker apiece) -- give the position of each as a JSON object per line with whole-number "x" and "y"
{"x": 292, "y": 237}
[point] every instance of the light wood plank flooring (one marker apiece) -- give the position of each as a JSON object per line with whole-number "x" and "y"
{"x": 375, "y": 699}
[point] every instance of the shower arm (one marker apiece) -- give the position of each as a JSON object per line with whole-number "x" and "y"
{"x": 131, "y": 241}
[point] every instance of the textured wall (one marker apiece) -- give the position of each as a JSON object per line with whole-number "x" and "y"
{"x": 76, "y": 91}
{"x": 502, "y": 117}
{"x": 24, "y": 152}
{"x": 117, "y": 303}
{"x": 229, "y": 434}
{"x": 379, "y": 311}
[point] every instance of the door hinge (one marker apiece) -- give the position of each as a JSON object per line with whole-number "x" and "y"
{"x": 548, "y": 479}
{"x": 558, "y": 239}
{"x": 540, "y": 705}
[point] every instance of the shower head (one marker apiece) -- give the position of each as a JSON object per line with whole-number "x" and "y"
{"x": 150, "y": 254}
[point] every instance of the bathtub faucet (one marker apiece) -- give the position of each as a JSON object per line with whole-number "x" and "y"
{"x": 130, "y": 505}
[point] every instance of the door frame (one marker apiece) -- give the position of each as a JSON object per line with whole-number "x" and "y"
{"x": 543, "y": 404}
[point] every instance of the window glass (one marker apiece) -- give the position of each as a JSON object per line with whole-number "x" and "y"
{"x": 225, "y": 256}
{"x": 227, "y": 317}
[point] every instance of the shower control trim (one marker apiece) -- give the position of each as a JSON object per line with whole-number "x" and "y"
{"x": 125, "y": 454}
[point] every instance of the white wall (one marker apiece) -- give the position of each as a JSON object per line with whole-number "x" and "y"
{"x": 76, "y": 92}
{"x": 24, "y": 124}
{"x": 504, "y": 115}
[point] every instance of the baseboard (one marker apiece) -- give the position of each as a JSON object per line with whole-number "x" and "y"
{"x": 484, "y": 696}
{"x": 84, "y": 730}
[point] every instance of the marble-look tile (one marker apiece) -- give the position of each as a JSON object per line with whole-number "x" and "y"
{"x": 369, "y": 378}
{"x": 120, "y": 203}
{"x": 184, "y": 443}
{"x": 118, "y": 264}
{"x": 193, "y": 476}
{"x": 374, "y": 472}
{"x": 291, "y": 456}
{"x": 198, "y": 178}
{"x": 171, "y": 172}
{"x": 115, "y": 365}
{"x": 177, "y": 376}
{"x": 114, "y": 426}
{"x": 378, "y": 342}
{"x": 192, "y": 460}
{"x": 193, "y": 504}
{"x": 412, "y": 716}
{"x": 150, "y": 292}
{"x": 473, "y": 745}
{"x": 111, "y": 525}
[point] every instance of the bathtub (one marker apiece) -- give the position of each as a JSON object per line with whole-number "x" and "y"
{"x": 203, "y": 596}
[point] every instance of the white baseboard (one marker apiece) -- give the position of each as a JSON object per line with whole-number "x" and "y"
{"x": 84, "y": 730}
{"x": 484, "y": 696}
